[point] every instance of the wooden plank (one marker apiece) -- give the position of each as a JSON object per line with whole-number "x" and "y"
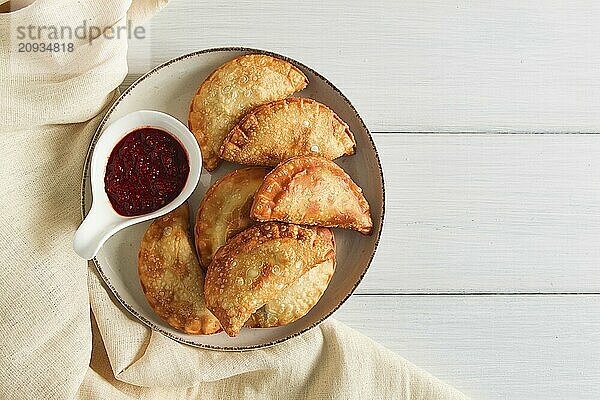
{"x": 491, "y": 347}
{"x": 418, "y": 65}
{"x": 488, "y": 213}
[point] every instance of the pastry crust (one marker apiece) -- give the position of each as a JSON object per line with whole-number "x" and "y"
{"x": 282, "y": 129}
{"x": 232, "y": 90}
{"x": 225, "y": 211}
{"x": 295, "y": 301}
{"x": 171, "y": 277}
{"x": 255, "y": 266}
{"x": 312, "y": 191}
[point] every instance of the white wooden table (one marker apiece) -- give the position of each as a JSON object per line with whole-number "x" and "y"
{"x": 487, "y": 273}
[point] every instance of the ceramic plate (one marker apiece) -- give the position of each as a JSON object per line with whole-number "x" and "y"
{"x": 170, "y": 88}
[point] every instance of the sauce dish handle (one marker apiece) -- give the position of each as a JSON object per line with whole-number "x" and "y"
{"x": 95, "y": 229}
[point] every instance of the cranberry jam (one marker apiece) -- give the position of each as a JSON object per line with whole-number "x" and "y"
{"x": 146, "y": 170}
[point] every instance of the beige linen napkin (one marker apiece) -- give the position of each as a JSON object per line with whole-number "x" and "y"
{"x": 50, "y": 345}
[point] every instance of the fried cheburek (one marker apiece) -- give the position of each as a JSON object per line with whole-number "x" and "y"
{"x": 257, "y": 265}
{"x": 295, "y": 301}
{"x": 225, "y": 210}
{"x": 171, "y": 277}
{"x": 309, "y": 190}
{"x": 232, "y": 90}
{"x": 277, "y": 131}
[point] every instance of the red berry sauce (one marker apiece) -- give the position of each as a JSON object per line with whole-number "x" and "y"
{"x": 146, "y": 170}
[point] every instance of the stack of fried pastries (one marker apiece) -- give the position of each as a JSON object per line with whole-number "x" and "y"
{"x": 262, "y": 252}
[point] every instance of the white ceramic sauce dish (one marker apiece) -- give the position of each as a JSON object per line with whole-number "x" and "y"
{"x": 103, "y": 221}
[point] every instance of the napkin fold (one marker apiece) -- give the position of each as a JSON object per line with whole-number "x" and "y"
{"x": 51, "y": 346}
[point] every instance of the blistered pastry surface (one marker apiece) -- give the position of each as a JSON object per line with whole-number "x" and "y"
{"x": 255, "y": 266}
{"x": 312, "y": 191}
{"x": 225, "y": 210}
{"x": 277, "y": 131}
{"x": 170, "y": 275}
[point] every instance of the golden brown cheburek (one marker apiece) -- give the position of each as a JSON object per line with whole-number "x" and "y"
{"x": 171, "y": 277}
{"x": 295, "y": 301}
{"x": 255, "y": 266}
{"x": 225, "y": 211}
{"x": 312, "y": 191}
{"x": 277, "y": 131}
{"x": 232, "y": 90}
